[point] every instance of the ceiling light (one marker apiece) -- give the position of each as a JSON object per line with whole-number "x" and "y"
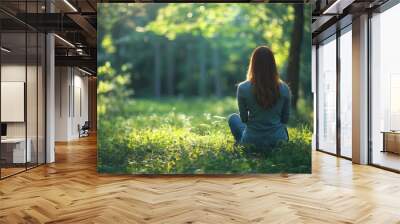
{"x": 70, "y": 5}
{"x": 80, "y": 51}
{"x": 5, "y": 50}
{"x": 337, "y": 7}
{"x": 65, "y": 41}
{"x": 86, "y": 72}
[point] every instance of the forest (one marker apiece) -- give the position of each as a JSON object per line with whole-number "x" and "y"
{"x": 167, "y": 76}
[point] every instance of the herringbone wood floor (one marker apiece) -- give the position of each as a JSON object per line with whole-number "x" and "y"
{"x": 70, "y": 191}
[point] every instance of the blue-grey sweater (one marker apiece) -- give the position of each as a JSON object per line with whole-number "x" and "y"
{"x": 263, "y": 126}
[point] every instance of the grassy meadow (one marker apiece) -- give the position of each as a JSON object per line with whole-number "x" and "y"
{"x": 189, "y": 136}
{"x": 167, "y": 76}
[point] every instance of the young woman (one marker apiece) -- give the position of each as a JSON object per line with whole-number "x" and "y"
{"x": 264, "y": 103}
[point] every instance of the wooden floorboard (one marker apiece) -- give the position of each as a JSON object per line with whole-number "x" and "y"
{"x": 70, "y": 191}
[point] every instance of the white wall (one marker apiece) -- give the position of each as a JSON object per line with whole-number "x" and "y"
{"x": 16, "y": 72}
{"x": 33, "y": 127}
{"x": 62, "y": 81}
{"x": 80, "y": 100}
{"x": 50, "y": 95}
{"x": 71, "y": 94}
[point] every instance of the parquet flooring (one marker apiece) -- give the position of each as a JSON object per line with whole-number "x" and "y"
{"x": 70, "y": 191}
{"x": 11, "y": 170}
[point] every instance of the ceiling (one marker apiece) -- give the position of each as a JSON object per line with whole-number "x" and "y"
{"x": 330, "y": 15}
{"x": 73, "y": 21}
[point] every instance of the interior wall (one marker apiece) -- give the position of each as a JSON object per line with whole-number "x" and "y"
{"x": 62, "y": 81}
{"x": 80, "y": 106}
{"x": 71, "y": 102}
{"x": 33, "y": 126}
{"x": 92, "y": 98}
{"x": 50, "y": 97}
{"x": 16, "y": 72}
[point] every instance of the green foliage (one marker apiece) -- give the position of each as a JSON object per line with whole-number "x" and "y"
{"x": 112, "y": 84}
{"x": 189, "y": 136}
{"x": 237, "y": 26}
{"x": 128, "y": 34}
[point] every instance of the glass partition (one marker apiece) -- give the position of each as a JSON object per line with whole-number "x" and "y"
{"x": 385, "y": 89}
{"x": 327, "y": 95}
{"x": 346, "y": 92}
{"x": 22, "y": 88}
{"x": 14, "y": 153}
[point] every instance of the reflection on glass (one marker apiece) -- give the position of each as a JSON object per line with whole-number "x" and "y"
{"x": 345, "y": 94}
{"x": 327, "y": 96}
{"x": 14, "y": 153}
{"x": 385, "y": 84}
{"x": 22, "y": 91}
{"x": 394, "y": 101}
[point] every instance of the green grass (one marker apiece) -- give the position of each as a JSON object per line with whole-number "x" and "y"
{"x": 189, "y": 136}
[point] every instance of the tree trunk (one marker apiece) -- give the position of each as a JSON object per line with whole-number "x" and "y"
{"x": 217, "y": 78}
{"x": 157, "y": 69}
{"x": 202, "y": 68}
{"x": 187, "y": 77}
{"x": 170, "y": 67}
{"x": 293, "y": 70}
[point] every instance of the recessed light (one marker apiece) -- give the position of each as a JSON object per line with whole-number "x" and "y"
{"x": 5, "y": 50}
{"x": 64, "y": 40}
{"x": 70, "y": 5}
{"x": 86, "y": 72}
{"x": 337, "y": 7}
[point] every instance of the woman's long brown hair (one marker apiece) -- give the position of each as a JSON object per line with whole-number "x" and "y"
{"x": 263, "y": 74}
